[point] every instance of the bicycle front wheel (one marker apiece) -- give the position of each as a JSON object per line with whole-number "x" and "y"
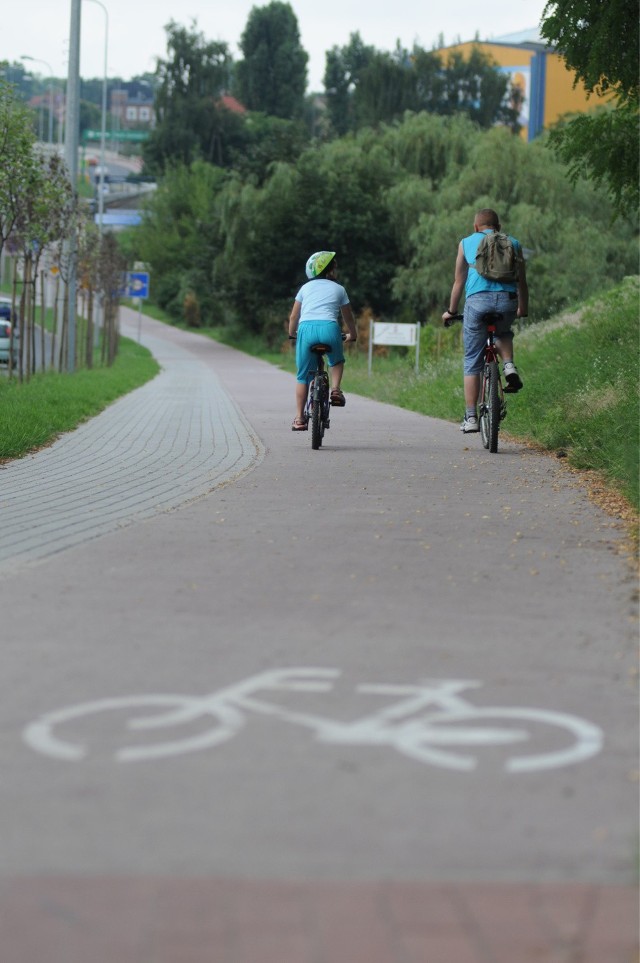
{"x": 490, "y": 407}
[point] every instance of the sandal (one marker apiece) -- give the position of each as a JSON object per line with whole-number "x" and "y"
{"x": 299, "y": 425}
{"x": 338, "y": 400}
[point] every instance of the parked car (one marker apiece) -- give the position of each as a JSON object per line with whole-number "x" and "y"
{"x": 5, "y": 342}
{"x": 5, "y": 308}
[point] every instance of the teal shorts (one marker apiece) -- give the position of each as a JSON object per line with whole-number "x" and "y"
{"x": 317, "y": 332}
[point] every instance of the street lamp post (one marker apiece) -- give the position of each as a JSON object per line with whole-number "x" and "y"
{"x": 103, "y": 138}
{"x": 49, "y": 67}
{"x": 103, "y": 130}
{"x": 71, "y": 144}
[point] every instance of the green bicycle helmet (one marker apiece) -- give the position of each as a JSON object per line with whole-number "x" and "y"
{"x": 318, "y": 263}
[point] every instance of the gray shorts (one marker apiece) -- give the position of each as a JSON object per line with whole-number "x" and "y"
{"x": 474, "y": 329}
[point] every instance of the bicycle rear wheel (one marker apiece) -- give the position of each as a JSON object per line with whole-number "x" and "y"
{"x": 490, "y": 407}
{"x": 317, "y": 427}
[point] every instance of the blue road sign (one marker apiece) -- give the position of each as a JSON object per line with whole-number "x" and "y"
{"x": 137, "y": 284}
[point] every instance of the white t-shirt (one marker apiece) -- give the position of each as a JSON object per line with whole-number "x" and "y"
{"x": 321, "y": 300}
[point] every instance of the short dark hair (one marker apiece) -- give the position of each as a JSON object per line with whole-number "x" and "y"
{"x": 489, "y": 217}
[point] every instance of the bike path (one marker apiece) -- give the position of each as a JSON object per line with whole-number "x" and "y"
{"x": 401, "y": 555}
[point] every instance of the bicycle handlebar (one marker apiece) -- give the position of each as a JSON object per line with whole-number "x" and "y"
{"x": 450, "y": 320}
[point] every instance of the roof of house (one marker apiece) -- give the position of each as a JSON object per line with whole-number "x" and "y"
{"x": 232, "y": 104}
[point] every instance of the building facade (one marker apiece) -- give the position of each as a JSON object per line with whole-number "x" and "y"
{"x": 131, "y": 107}
{"x": 542, "y": 75}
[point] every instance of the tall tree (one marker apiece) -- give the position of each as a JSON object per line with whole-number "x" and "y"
{"x": 475, "y": 87}
{"x": 343, "y": 68}
{"x": 272, "y": 77}
{"x": 190, "y": 119}
{"x": 600, "y": 43}
{"x": 385, "y": 89}
{"x": 366, "y": 87}
{"x": 18, "y": 166}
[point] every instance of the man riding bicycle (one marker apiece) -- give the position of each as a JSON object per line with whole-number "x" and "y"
{"x": 509, "y": 298}
{"x": 315, "y": 319}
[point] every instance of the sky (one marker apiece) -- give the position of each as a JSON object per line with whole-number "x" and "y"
{"x": 136, "y": 35}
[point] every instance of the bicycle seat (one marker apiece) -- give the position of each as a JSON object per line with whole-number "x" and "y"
{"x": 320, "y": 348}
{"x": 492, "y": 317}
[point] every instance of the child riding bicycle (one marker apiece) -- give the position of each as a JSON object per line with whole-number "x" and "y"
{"x": 315, "y": 317}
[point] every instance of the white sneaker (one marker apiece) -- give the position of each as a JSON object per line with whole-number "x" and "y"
{"x": 469, "y": 425}
{"x": 514, "y": 381}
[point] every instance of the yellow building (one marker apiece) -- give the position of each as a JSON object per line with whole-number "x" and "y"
{"x": 541, "y": 73}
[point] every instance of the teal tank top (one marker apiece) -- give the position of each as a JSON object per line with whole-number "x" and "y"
{"x": 476, "y": 284}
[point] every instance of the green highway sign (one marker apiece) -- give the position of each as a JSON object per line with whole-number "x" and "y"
{"x": 121, "y": 135}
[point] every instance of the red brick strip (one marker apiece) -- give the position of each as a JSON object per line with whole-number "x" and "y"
{"x": 112, "y": 920}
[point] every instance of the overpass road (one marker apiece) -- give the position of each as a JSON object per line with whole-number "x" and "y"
{"x": 372, "y": 704}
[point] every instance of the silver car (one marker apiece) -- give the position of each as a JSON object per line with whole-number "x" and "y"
{"x": 5, "y": 334}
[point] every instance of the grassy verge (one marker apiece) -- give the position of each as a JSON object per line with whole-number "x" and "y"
{"x": 34, "y": 413}
{"x": 581, "y": 376}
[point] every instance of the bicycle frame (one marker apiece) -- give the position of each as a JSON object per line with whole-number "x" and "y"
{"x": 491, "y": 356}
{"x": 318, "y": 401}
{"x": 491, "y": 351}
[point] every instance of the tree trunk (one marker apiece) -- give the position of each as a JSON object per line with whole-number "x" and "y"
{"x": 89, "y": 332}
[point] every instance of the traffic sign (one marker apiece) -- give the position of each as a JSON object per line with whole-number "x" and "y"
{"x": 137, "y": 284}
{"x": 123, "y": 135}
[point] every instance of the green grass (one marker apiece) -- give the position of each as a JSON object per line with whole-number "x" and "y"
{"x": 34, "y": 413}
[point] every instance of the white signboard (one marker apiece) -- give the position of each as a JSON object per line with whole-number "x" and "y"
{"x": 385, "y": 332}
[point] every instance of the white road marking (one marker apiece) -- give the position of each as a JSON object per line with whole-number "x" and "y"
{"x": 452, "y": 723}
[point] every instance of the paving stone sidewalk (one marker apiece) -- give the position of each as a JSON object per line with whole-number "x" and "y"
{"x": 170, "y": 441}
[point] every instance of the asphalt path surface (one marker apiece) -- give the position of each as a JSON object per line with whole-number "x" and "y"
{"x": 260, "y": 703}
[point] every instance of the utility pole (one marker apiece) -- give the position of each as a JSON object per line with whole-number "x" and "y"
{"x": 103, "y": 130}
{"x": 103, "y": 136}
{"x": 71, "y": 157}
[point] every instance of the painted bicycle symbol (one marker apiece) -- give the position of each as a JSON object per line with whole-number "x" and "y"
{"x": 430, "y": 722}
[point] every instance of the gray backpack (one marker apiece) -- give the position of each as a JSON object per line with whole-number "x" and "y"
{"x": 497, "y": 258}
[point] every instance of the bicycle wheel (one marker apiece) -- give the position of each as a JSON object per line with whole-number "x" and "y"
{"x": 317, "y": 429}
{"x": 43, "y": 736}
{"x": 490, "y": 407}
{"x": 440, "y": 739}
{"x": 326, "y": 408}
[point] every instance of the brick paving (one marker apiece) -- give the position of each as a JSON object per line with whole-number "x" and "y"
{"x": 172, "y": 440}
{"x": 239, "y": 921}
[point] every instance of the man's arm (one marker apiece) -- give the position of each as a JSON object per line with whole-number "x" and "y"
{"x": 459, "y": 281}
{"x": 523, "y": 292}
